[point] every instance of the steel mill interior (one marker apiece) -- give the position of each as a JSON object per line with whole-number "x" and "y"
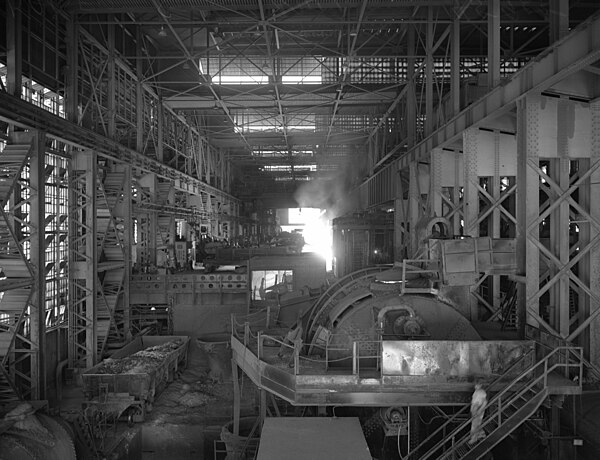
{"x": 300, "y": 229}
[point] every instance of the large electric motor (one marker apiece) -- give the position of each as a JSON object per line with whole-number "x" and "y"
{"x": 369, "y": 311}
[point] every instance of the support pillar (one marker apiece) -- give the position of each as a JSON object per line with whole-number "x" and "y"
{"x": 455, "y": 64}
{"x": 471, "y": 200}
{"x": 411, "y": 101}
{"x": 594, "y": 258}
{"x": 72, "y": 80}
{"x": 414, "y": 202}
{"x": 528, "y": 255}
{"x": 429, "y": 122}
{"x": 38, "y": 262}
{"x": 559, "y": 19}
{"x": 14, "y": 48}
{"x": 435, "y": 183}
{"x": 139, "y": 92}
{"x": 83, "y": 258}
{"x": 236, "y": 397}
{"x": 399, "y": 220}
{"x": 493, "y": 34}
{"x": 263, "y": 405}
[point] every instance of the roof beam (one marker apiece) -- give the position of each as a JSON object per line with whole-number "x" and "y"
{"x": 576, "y": 52}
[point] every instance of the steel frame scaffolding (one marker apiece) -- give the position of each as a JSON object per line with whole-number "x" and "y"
{"x": 440, "y": 112}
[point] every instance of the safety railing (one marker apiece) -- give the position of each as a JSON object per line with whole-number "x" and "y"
{"x": 357, "y": 356}
{"x": 550, "y": 342}
{"x": 255, "y": 341}
{"x": 462, "y": 414}
{"x": 533, "y": 379}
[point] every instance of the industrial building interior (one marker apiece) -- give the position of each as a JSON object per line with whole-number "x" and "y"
{"x": 299, "y": 229}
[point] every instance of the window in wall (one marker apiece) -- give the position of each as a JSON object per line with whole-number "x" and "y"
{"x": 268, "y": 284}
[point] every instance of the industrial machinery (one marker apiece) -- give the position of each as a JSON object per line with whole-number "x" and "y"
{"x": 399, "y": 347}
{"x": 27, "y": 435}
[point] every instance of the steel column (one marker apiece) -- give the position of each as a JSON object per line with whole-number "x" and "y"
{"x": 83, "y": 259}
{"x": 493, "y": 43}
{"x": 594, "y": 256}
{"x": 559, "y": 19}
{"x": 471, "y": 201}
{"x": 429, "y": 121}
{"x": 455, "y": 64}
{"x": 14, "y": 48}
{"x": 528, "y": 255}
{"x": 37, "y": 182}
{"x": 414, "y": 205}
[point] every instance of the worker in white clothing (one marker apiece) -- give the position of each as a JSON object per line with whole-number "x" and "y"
{"x": 478, "y": 405}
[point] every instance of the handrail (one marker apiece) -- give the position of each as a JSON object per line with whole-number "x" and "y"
{"x": 466, "y": 406}
{"x": 532, "y": 336}
{"x": 499, "y": 405}
{"x": 356, "y": 356}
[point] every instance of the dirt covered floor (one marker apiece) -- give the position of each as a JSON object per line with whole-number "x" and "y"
{"x": 203, "y": 393}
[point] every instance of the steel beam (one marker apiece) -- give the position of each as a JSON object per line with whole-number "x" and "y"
{"x": 575, "y": 52}
{"x": 21, "y": 113}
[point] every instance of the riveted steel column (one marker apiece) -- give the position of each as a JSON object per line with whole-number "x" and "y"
{"x": 83, "y": 267}
{"x": 493, "y": 42}
{"x": 559, "y": 19}
{"x": 594, "y": 259}
{"x": 429, "y": 74}
{"x": 471, "y": 199}
{"x": 399, "y": 218}
{"x": 72, "y": 80}
{"x": 494, "y": 230}
{"x": 455, "y": 64}
{"x": 528, "y": 256}
{"x": 112, "y": 83}
{"x": 411, "y": 106}
{"x": 435, "y": 183}
{"x": 414, "y": 202}
{"x": 14, "y": 48}
{"x": 38, "y": 262}
{"x": 560, "y": 230}
{"x": 127, "y": 245}
{"x": 139, "y": 92}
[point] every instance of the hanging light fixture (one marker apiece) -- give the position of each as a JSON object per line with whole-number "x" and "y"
{"x": 162, "y": 32}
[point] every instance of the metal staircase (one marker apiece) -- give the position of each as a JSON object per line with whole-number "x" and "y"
{"x": 111, "y": 265}
{"x": 507, "y": 409}
{"x": 16, "y": 276}
{"x": 510, "y": 318}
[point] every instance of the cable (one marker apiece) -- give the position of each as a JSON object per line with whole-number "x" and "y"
{"x": 398, "y": 444}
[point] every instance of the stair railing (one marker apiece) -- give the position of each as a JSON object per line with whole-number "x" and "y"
{"x": 507, "y": 397}
{"x": 466, "y": 408}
